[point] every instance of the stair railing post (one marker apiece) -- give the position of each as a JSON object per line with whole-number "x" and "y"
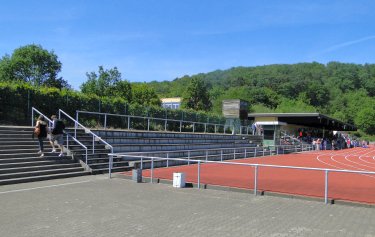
{"x": 152, "y": 170}
{"x": 148, "y": 124}
{"x": 67, "y": 141}
{"x": 199, "y": 174}
{"x": 32, "y": 117}
{"x": 105, "y": 121}
{"x": 86, "y": 155}
{"x": 128, "y": 122}
{"x": 75, "y": 124}
{"x": 255, "y": 180}
{"x": 167, "y": 159}
{"x": 93, "y": 144}
{"x": 326, "y": 187}
{"x": 110, "y": 166}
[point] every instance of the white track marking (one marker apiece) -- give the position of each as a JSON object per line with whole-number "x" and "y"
{"x": 364, "y": 155}
{"x": 337, "y": 167}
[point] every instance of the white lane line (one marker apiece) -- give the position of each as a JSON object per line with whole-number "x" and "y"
{"x": 338, "y": 167}
{"x": 367, "y": 156}
{"x": 346, "y": 158}
{"x": 42, "y": 187}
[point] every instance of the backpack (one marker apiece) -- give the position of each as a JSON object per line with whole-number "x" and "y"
{"x": 59, "y": 127}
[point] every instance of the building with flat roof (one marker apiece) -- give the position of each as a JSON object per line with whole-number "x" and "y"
{"x": 273, "y": 125}
{"x": 171, "y": 103}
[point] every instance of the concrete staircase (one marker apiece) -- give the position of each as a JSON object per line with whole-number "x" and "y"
{"x": 20, "y": 163}
{"x": 149, "y": 142}
{"x": 97, "y": 158}
{"x": 142, "y": 141}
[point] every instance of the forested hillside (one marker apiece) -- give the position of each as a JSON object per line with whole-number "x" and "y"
{"x": 341, "y": 90}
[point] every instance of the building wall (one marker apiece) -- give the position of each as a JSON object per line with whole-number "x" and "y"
{"x": 171, "y": 103}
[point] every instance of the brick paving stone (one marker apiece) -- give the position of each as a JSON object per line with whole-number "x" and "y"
{"x": 98, "y": 206}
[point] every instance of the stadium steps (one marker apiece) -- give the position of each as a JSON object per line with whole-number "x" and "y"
{"x": 20, "y": 163}
{"x": 149, "y": 141}
{"x": 97, "y": 158}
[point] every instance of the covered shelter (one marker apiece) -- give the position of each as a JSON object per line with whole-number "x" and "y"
{"x": 273, "y": 125}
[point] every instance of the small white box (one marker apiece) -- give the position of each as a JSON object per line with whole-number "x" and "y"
{"x": 178, "y": 180}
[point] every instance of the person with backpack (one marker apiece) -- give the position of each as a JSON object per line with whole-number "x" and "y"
{"x": 57, "y": 135}
{"x": 41, "y": 132}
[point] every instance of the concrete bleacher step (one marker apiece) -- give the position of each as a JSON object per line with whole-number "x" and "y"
{"x": 171, "y": 147}
{"x": 17, "y": 146}
{"x": 38, "y": 168}
{"x": 17, "y": 151}
{"x": 40, "y": 172}
{"x": 156, "y": 140}
{"x": 36, "y": 162}
{"x": 34, "y": 154}
{"x": 43, "y": 177}
{"x": 20, "y": 161}
{"x": 149, "y": 141}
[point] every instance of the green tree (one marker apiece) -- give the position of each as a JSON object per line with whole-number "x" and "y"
{"x": 107, "y": 83}
{"x": 197, "y": 96}
{"x": 365, "y": 120}
{"x": 32, "y": 64}
{"x": 143, "y": 94}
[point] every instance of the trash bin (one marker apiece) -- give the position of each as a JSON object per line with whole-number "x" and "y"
{"x": 179, "y": 180}
{"x": 137, "y": 175}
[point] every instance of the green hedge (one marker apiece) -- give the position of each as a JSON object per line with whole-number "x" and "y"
{"x": 17, "y": 99}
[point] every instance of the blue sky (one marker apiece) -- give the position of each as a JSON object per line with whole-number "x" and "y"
{"x": 164, "y": 39}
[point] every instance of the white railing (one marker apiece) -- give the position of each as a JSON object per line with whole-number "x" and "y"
{"x": 216, "y": 127}
{"x": 224, "y": 153}
{"x": 94, "y": 136}
{"x": 256, "y": 171}
{"x": 50, "y": 125}
{"x": 34, "y": 110}
{"x": 79, "y": 143}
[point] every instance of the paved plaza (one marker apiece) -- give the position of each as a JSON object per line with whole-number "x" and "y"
{"x": 98, "y": 206}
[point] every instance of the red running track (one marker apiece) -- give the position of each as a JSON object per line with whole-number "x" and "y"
{"x": 342, "y": 186}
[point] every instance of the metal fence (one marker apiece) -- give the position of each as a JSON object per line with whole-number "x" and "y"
{"x": 109, "y": 120}
{"x": 255, "y": 166}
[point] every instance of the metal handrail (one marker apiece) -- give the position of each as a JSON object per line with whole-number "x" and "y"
{"x": 40, "y": 113}
{"x": 67, "y": 142}
{"x": 50, "y": 124}
{"x": 292, "y": 147}
{"x": 94, "y": 136}
{"x": 161, "y": 119}
{"x": 256, "y": 151}
{"x": 326, "y": 171}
